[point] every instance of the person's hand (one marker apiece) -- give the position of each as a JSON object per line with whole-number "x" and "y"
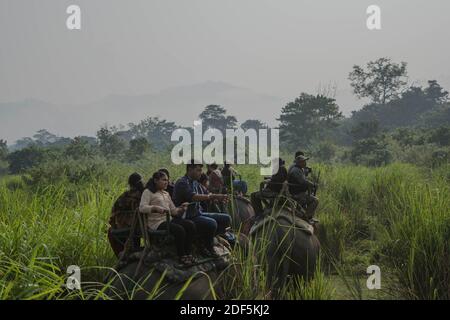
{"x": 184, "y": 206}
{"x": 160, "y": 210}
{"x": 178, "y": 212}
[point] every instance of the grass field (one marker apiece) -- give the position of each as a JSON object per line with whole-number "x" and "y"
{"x": 396, "y": 217}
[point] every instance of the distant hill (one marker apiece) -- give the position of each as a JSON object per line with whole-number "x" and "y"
{"x": 179, "y": 104}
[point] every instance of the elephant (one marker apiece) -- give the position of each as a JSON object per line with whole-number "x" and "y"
{"x": 147, "y": 284}
{"x": 137, "y": 278}
{"x": 287, "y": 248}
{"x": 291, "y": 251}
{"x": 242, "y": 214}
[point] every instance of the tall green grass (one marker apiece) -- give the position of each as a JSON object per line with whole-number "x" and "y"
{"x": 397, "y": 217}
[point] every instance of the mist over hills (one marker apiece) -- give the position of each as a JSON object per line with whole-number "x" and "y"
{"x": 179, "y": 104}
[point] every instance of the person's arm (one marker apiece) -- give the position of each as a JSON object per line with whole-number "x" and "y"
{"x": 187, "y": 194}
{"x": 301, "y": 178}
{"x": 144, "y": 206}
{"x": 174, "y": 211}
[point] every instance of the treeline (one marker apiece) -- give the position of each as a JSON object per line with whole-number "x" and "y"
{"x": 401, "y": 122}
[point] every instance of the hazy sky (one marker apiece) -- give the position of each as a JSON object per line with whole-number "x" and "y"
{"x": 279, "y": 48}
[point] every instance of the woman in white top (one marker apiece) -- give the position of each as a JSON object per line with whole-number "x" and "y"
{"x": 155, "y": 203}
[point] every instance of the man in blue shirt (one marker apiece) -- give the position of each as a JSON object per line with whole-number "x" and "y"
{"x": 208, "y": 224}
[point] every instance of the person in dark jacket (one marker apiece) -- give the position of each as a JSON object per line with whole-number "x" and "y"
{"x": 272, "y": 189}
{"x": 300, "y": 187}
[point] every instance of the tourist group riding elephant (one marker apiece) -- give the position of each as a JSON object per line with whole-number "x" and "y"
{"x": 155, "y": 273}
{"x": 289, "y": 248}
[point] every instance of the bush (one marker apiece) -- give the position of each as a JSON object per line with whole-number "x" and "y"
{"x": 21, "y": 160}
{"x": 67, "y": 170}
{"x": 3, "y": 167}
{"x": 427, "y": 155}
{"x": 371, "y": 152}
{"x": 440, "y": 136}
{"x": 325, "y": 151}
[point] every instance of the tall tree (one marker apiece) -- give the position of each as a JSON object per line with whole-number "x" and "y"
{"x": 307, "y": 119}
{"x": 365, "y": 130}
{"x": 44, "y": 137}
{"x": 215, "y": 116}
{"x": 382, "y": 80}
{"x": 23, "y": 143}
{"x": 253, "y": 124}
{"x": 156, "y": 131}
{"x": 23, "y": 159}
{"x": 78, "y": 148}
{"x": 436, "y": 93}
{"x": 110, "y": 144}
{"x": 3, "y": 149}
{"x": 138, "y": 147}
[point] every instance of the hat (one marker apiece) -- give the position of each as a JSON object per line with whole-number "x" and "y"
{"x": 299, "y": 153}
{"x": 301, "y": 157}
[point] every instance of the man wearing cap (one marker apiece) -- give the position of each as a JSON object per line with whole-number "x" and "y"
{"x": 298, "y": 153}
{"x": 272, "y": 189}
{"x": 300, "y": 186}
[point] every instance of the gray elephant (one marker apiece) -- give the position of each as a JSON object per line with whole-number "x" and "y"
{"x": 151, "y": 283}
{"x": 291, "y": 248}
{"x": 242, "y": 214}
{"x": 287, "y": 245}
{"x": 156, "y": 274}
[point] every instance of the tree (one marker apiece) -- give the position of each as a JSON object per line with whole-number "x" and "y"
{"x": 371, "y": 152}
{"x": 382, "y": 81}
{"x": 43, "y": 137}
{"x": 253, "y": 124}
{"x": 26, "y": 158}
{"x": 214, "y": 116}
{"x": 3, "y": 157}
{"x": 417, "y": 105}
{"x": 138, "y": 147}
{"x": 440, "y": 136}
{"x": 324, "y": 151}
{"x": 408, "y": 136}
{"x": 110, "y": 144}
{"x": 307, "y": 119}
{"x": 3, "y": 149}
{"x": 23, "y": 143}
{"x": 365, "y": 130}
{"x": 436, "y": 93}
{"x": 78, "y": 148}
{"x": 157, "y": 132}
{"x": 437, "y": 117}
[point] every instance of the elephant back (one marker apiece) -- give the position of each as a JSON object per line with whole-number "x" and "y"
{"x": 283, "y": 217}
